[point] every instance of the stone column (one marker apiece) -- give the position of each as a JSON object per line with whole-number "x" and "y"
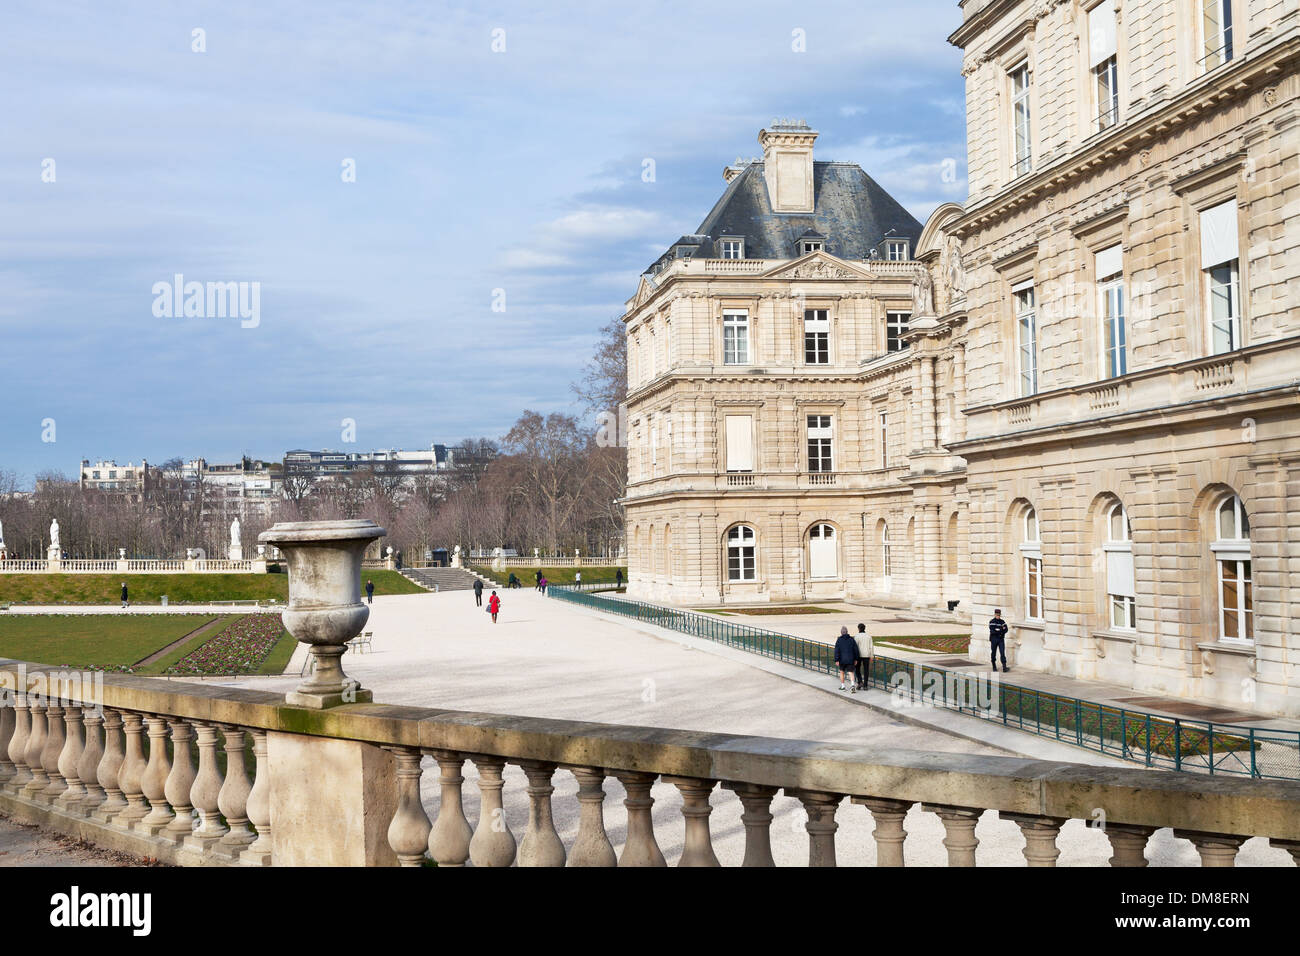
{"x": 18, "y": 744}
{"x": 592, "y": 846}
{"x": 110, "y": 765}
{"x": 154, "y": 779}
{"x": 91, "y": 754}
{"x": 698, "y": 847}
{"x": 1128, "y": 843}
{"x": 757, "y": 818}
{"x": 70, "y": 759}
{"x": 180, "y": 783}
{"x": 931, "y": 551}
{"x": 959, "y": 389}
{"x": 959, "y": 823}
{"x": 232, "y": 799}
{"x": 541, "y": 845}
{"x": 1040, "y": 836}
{"x": 35, "y": 746}
{"x": 492, "y": 844}
{"x": 889, "y": 833}
{"x": 56, "y": 737}
{"x": 258, "y": 852}
{"x": 408, "y": 834}
{"x": 131, "y": 772}
{"x": 451, "y": 833}
{"x": 821, "y": 825}
{"x": 205, "y": 791}
{"x": 1216, "y": 849}
{"x": 929, "y": 437}
{"x": 640, "y": 848}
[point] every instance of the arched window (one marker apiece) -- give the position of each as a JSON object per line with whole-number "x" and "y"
{"x": 886, "y": 559}
{"x": 742, "y": 549}
{"x": 1232, "y": 555}
{"x": 822, "y": 562}
{"x": 1031, "y": 556}
{"x": 1121, "y": 594}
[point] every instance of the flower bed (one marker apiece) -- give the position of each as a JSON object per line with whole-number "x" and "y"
{"x": 239, "y": 649}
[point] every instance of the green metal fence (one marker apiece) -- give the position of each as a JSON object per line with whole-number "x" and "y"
{"x": 1166, "y": 743}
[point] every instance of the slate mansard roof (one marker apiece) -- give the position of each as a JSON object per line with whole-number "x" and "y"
{"x": 851, "y": 211}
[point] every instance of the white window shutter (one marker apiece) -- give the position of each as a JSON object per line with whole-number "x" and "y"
{"x": 1119, "y": 573}
{"x": 740, "y": 444}
{"x": 1110, "y": 262}
{"x": 1102, "y": 44}
{"x": 1219, "y": 234}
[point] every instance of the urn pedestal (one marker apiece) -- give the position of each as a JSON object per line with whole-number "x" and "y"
{"x": 325, "y": 609}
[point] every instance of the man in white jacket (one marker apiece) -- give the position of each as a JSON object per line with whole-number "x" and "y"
{"x": 864, "y": 656}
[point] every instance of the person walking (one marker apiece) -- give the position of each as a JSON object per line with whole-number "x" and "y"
{"x": 865, "y": 648}
{"x": 513, "y": 582}
{"x": 124, "y": 600}
{"x": 542, "y": 584}
{"x": 846, "y": 656}
{"x": 478, "y": 592}
{"x": 998, "y": 640}
{"x": 577, "y": 579}
{"x": 618, "y": 577}
{"x": 537, "y": 580}
{"x": 494, "y": 606}
{"x": 370, "y": 591}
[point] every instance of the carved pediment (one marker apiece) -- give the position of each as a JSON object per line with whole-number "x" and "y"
{"x": 818, "y": 265}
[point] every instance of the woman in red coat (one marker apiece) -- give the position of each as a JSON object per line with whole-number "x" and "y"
{"x": 494, "y": 606}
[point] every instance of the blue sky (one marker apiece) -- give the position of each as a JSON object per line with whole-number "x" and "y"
{"x": 475, "y": 170}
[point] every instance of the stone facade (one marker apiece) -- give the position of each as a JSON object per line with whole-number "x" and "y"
{"x": 1187, "y": 186}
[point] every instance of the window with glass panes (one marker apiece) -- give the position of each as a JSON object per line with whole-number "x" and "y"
{"x": 1216, "y": 33}
{"x": 1022, "y": 152}
{"x": 1235, "y": 582}
{"x": 1031, "y": 550}
{"x": 896, "y": 250}
{"x": 816, "y": 337}
{"x": 733, "y": 249}
{"x": 1103, "y": 59}
{"x": 1121, "y": 594}
{"x": 735, "y": 338}
{"x": 741, "y": 554}
{"x": 1110, "y": 306}
{"x": 820, "y": 437}
{"x": 1220, "y": 265}
{"x": 1027, "y": 337}
{"x": 895, "y": 329}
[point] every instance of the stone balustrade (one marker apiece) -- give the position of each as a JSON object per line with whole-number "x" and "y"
{"x": 165, "y": 770}
{"x": 132, "y": 566}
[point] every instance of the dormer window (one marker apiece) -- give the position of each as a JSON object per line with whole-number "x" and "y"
{"x": 810, "y": 245}
{"x": 896, "y": 250}
{"x": 733, "y": 248}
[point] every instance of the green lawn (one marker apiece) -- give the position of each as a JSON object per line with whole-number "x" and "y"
{"x": 180, "y": 588}
{"x": 92, "y": 640}
{"x": 592, "y": 575}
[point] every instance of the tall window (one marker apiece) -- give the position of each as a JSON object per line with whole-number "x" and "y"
{"x": 822, "y": 561}
{"x": 1103, "y": 58}
{"x": 1232, "y": 555}
{"x": 1121, "y": 593}
{"x": 1219, "y": 264}
{"x": 654, "y": 442}
{"x": 1110, "y": 306}
{"x": 735, "y": 338}
{"x": 895, "y": 329}
{"x": 1216, "y": 33}
{"x": 1022, "y": 151}
{"x": 886, "y": 559}
{"x": 816, "y": 336}
{"x": 741, "y": 551}
{"x": 733, "y": 248}
{"x": 883, "y": 420}
{"x": 896, "y": 250}
{"x": 1027, "y": 337}
{"x": 820, "y": 436}
{"x": 740, "y": 442}
{"x": 1031, "y": 555}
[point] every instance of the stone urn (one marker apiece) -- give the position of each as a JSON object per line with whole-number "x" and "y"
{"x": 325, "y": 609}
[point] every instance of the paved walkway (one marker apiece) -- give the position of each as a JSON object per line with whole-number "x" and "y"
{"x": 22, "y": 845}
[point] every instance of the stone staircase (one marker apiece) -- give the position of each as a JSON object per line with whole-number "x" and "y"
{"x": 441, "y": 579}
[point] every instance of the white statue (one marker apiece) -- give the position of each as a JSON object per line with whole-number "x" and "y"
{"x": 234, "y": 533}
{"x": 2, "y": 534}
{"x": 54, "y": 534}
{"x": 922, "y": 294}
{"x": 955, "y": 270}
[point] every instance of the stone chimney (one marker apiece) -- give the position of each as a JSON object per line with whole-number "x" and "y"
{"x": 788, "y": 165}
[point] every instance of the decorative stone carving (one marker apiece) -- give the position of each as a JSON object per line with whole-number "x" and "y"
{"x": 954, "y": 271}
{"x": 922, "y": 294}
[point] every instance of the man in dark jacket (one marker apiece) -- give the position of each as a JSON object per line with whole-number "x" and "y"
{"x": 478, "y": 592}
{"x": 537, "y": 578}
{"x": 124, "y": 595}
{"x": 998, "y": 639}
{"x": 370, "y": 592}
{"x": 846, "y": 657}
{"x": 618, "y": 577}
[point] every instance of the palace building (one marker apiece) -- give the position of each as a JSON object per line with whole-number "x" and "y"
{"x": 1075, "y": 398}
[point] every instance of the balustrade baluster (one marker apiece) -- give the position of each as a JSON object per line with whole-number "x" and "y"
{"x": 18, "y": 744}
{"x": 55, "y": 738}
{"x": 889, "y": 833}
{"x": 592, "y": 846}
{"x": 408, "y": 832}
{"x": 131, "y": 772}
{"x": 7, "y": 768}
{"x": 640, "y": 848}
{"x": 757, "y": 818}
{"x": 451, "y": 834}
{"x": 70, "y": 759}
{"x": 821, "y": 825}
{"x": 697, "y": 848}
{"x": 492, "y": 844}
{"x": 206, "y": 790}
{"x": 541, "y": 845}
{"x": 259, "y": 806}
{"x": 154, "y": 780}
{"x": 180, "y": 782}
{"x": 110, "y": 766}
{"x": 1215, "y": 849}
{"x": 959, "y": 825}
{"x": 1128, "y": 844}
{"x": 91, "y": 754}
{"x": 232, "y": 799}
{"x": 1040, "y": 836}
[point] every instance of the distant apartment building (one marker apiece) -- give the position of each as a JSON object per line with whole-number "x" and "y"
{"x": 407, "y": 465}
{"x": 245, "y": 488}
{"x": 130, "y": 481}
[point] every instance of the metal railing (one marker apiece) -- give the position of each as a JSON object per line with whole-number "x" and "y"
{"x": 1154, "y": 740}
